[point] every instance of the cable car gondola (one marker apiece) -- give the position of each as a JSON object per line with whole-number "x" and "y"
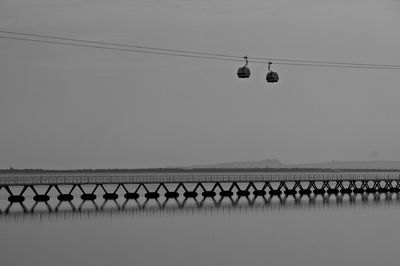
{"x": 272, "y": 77}
{"x": 244, "y": 72}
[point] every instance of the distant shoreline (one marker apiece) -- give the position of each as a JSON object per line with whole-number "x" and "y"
{"x": 196, "y": 170}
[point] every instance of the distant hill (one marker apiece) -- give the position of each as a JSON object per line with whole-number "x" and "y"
{"x": 275, "y": 163}
{"x": 267, "y": 165}
{"x": 352, "y": 165}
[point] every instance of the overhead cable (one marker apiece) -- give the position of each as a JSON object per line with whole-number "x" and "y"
{"x": 184, "y": 53}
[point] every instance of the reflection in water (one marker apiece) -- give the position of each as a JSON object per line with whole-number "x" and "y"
{"x": 66, "y": 210}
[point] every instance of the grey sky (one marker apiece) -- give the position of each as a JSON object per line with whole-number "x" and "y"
{"x": 67, "y": 107}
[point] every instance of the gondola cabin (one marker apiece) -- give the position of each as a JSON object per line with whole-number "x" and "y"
{"x": 272, "y": 77}
{"x": 243, "y": 72}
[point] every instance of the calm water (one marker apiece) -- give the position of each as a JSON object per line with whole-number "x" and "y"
{"x": 230, "y": 232}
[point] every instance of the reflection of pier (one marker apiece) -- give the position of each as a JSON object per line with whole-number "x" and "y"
{"x": 67, "y": 188}
{"x": 58, "y": 211}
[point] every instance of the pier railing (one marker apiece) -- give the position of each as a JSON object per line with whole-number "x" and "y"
{"x": 191, "y": 178}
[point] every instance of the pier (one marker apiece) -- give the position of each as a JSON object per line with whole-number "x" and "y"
{"x": 170, "y": 186}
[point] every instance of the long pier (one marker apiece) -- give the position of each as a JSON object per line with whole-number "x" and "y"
{"x": 173, "y": 186}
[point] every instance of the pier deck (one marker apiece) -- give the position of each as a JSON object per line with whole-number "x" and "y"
{"x": 66, "y": 188}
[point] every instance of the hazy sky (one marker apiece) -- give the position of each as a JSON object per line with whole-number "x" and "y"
{"x": 69, "y": 107}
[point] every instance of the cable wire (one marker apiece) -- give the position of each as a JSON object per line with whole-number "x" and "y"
{"x": 120, "y": 44}
{"x": 124, "y": 49}
{"x": 188, "y": 54}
